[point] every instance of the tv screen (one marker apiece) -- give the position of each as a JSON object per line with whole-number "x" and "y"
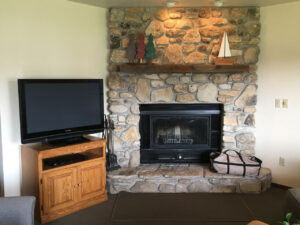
{"x": 60, "y": 108}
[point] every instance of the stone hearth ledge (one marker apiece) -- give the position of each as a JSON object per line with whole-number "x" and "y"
{"x": 184, "y": 178}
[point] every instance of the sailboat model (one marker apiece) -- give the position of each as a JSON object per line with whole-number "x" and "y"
{"x": 224, "y": 57}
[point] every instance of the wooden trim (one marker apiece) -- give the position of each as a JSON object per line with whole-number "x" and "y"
{"x": 70, "y": 149}
{"x": 30, "y": 179}
{"x": 187, "y": 68}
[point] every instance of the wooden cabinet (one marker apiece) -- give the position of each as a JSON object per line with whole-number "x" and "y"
{"x": 88, "y": 186}
{"x": 63, "y": 189}
{"x": 59, "y": 190}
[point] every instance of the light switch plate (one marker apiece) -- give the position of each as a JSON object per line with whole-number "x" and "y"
{"x": 285, "y": 103}
{"x": 277, "y": 103}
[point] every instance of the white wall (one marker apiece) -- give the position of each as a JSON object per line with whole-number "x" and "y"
{"x": 44, "y": 39}
{"x": 1, "y": 165}
{"x": 278, "y": 130}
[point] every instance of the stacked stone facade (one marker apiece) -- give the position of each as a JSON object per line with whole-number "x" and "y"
{"x": 236, "y": 91}
{"x": 184, "y": 178}
{"x": 184, "y": 36}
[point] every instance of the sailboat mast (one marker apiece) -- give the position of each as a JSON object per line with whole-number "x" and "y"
{"x": 225, "y": 37}
{"x": 224, "y": 48}
{"x": 224, "y": 57}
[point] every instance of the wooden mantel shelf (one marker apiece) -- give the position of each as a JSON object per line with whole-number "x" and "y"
{"x": 187, "y": 68}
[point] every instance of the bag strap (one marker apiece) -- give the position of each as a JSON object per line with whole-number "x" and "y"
{"x": 241, "y": 158}
{"x": 228, "y": 164}
{"x": 259, "y": 161}
{"x": 256, "y": 159}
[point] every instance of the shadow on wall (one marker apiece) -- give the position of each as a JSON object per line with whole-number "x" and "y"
{"x": 14, "y": 111}
{"x": 89, "y": 2}
{"x": 1, "y": 164}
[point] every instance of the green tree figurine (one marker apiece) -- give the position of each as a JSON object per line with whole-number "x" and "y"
{"x": 150, "y": 50}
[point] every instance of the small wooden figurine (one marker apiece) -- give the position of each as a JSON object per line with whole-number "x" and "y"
{"x": 131, "y": 49}
{"x": 224, "y": 57}
{"x": 150, "y": 50}
{"x": 141, "y": 49}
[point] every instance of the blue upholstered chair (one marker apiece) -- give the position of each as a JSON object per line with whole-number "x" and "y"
{"x": 17, "y": 210}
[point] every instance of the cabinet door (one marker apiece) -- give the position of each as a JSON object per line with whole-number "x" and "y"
{"x": 59, "y": 189}
{"x": 92, "y": 179}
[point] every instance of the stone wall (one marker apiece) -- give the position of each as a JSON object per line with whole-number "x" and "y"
{"x": 187, "y": 35}
{"x": 184, "y": 178}
{"x": 181, "y": 36}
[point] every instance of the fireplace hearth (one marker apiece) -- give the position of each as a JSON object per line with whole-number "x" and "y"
{"x": 180, "y": 133}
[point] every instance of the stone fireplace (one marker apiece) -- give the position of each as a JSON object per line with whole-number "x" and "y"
{"x": 179, "y": 133}
{"x": 236, "y": 93}
{"x": 182, "y": 36}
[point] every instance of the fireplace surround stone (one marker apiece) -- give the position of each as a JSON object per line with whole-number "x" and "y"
{"x": 182, "y": 36}
{"x": 236, "y": 91}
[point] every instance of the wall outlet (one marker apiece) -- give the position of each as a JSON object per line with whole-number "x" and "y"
{"x": 277, "y": 103}
{"x": 285, "y": 103}
{"x": 281, "y": 161}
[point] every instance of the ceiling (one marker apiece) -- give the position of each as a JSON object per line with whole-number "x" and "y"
{"x": 179, "y": 3}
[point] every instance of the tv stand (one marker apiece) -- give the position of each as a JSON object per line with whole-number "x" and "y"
{"x": 66, "y": 141}
{"x": 64, "y": 179}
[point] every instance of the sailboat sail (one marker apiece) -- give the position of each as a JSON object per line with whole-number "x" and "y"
{"x": 224, "y": 50}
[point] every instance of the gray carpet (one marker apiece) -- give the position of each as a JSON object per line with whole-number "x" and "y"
{"x": 183, "y": 208}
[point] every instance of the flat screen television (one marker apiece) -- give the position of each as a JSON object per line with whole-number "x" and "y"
{"x": 60, "y": 109}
